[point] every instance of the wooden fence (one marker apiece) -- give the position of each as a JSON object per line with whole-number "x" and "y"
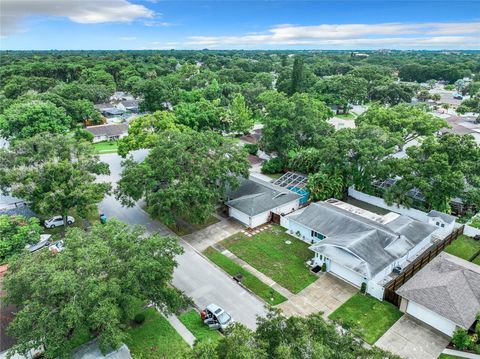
{"x": 389, "y": 294}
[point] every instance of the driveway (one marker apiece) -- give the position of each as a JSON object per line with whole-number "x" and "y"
{"x": 213, "y": 234}
{"x": 195, "y": 275}
{"x": 325, "y": 295}
{"x": 410, "y": 338}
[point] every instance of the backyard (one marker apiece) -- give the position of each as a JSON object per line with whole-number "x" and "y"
{"x": 106, "y": 147}
{"x": 191, "y": 319}
{"x": 154, "y": 338}
{"x": 464, "y": 247}
{"x": 268, "y": 294}
{"x": 276, "y": 254}
{"x": 369, "y": 317}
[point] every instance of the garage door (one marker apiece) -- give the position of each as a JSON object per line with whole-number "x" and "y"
{"x": 433, "y": 319}
{"x": 346, "y": 274}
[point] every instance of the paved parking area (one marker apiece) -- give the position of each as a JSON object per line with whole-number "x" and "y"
{"x": 325, "y": 295}
{"x": 410, "y": 338}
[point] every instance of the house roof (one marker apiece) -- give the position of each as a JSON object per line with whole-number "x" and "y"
{"x": 108, "y": 129}
{"x": 130, "y": 103}
{"x": 449, "y": 286}
{"x": 362, "y": 244}
{"x": 104, "y": 106}
{"x": 255, "y": 196}
{"x": 447, "y": 218}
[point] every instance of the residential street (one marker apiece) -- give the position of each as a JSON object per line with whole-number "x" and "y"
{"x": 195, "y": 275}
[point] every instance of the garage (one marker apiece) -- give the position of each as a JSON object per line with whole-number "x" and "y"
{"x": 435, "y": 320}
{"x": 346, "y": 274}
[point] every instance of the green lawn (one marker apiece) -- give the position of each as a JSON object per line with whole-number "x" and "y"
{"x": 106, "y": 147}
{"x": 463, "y": 247}
{"x": 348, "y": 116}
{"x": 475, "y": 223}
{"x": 265, "y": 292}
{"x": 92, "y": 217}
{"x": 194, "y": 323}
{"x": 448, "y": 356}
{"x": 477, "y": 260}
{"x": 155, "y": 338}
{"x": 182, "y": 227}
{"x": 370, "y": 317}
{"x": 268, "y": 253}
{"x": 275, "y": 176}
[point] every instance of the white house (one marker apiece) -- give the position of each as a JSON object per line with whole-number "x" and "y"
{"x": 445, "y": 294}
{"x": 255, "y": 200}
{"x": 108, "y": 132}
{"x": 357, "y": 245}
{"x": 445, "y": 223}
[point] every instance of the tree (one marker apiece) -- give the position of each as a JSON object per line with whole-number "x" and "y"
{"x": 15, "y": 233}
{"x": 392, "y": 93}
{"x": 291, "y": 123}
{"x": 408, "y": 121}
{"x": 239, "y": 115}
{"x": 185, "y": 175}
{"x": 297, "y": 75}
{"x": 55, "y": 173}
{"x": 323, "y": 186}
{"x": 201, "y": 115}
{"x": 26, "y": 119}
{"x": 157, "y": 91}
{"x": 287, "y": 338}
{"x": 93, "y": 287}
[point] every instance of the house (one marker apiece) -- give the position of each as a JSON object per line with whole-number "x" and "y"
{"x": 357, "y": 245}
{"x": 445, "y": 294}
{"x": 443, "y": 221}
{"x": 12, "y": 206}
{"x": 109, "y": 132}
{"x": 107, "y": 109}
{"x": 130, "y": 106}
{"x": 255, "y": 200}
{"x": 121, "y": 96}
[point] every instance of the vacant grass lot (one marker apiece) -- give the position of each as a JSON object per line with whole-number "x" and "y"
{"x": 155, "y": 338}
{"x": 268, "y": 253}
{"x": 194, "y": 323}
{"x": 463, "y": 247}
{"x": 268, "y": 294}
{"x": 370, "y": 317}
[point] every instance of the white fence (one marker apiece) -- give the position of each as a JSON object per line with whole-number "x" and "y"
{"x": 471, "y": 231}
{"x": 380, "y": 202}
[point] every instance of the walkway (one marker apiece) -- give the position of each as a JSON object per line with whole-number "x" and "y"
{"x": 181, "y": 329}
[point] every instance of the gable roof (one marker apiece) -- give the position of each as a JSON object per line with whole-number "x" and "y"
{"x": 255, "y": 196}
{"x": 108, "y": 129}
{"x": 447, "y": 218}
{"x": 449, "y": 286}
{"x": 129, "y": 103}
{"x": 369, "y": 246}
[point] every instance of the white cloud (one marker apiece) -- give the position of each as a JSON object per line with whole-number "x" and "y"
{"x": 152, "y": 23}
{"x": 392, "y": 35}
{"x": 79, "y": 11}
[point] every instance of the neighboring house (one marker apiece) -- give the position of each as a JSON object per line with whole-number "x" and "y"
{"x": 91, "y": 350}
{"x": 107, "y": 109}
{"x": 255, "y": 200}
{"x": 357, "y": 245}
{"x": 130, "y": 106}
{"x": 444, "y": 222}
{"x": 13, "y": 206}
{"x": 109, "y": 132}
{"x": 121, "y": 96}
{"x": 445, "y": 294}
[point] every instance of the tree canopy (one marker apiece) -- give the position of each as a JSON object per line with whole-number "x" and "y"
{"x": 15, "y": 233}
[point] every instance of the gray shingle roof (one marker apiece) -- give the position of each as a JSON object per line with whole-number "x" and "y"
{"x": 374, "y": 245}
{"x": 447, "y": 218}
{"x": 255, "y": 196}
{"x": 130, "y": 103}
{"x": 108, "y": 130}
{"x": 449, "y": 286}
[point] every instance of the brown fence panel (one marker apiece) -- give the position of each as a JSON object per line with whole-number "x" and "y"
{"x": 275, "y": 218}
{"x": 389, "y": 294}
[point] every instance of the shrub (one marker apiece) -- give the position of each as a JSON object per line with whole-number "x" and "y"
{"x": 139, "y": 318}
{"x": 461, "y": 339}
{"x": 363, "y": 287}
{"x": 252, "y": 148}
{"x": 324, "y": 267}
{"x": 275, "y": 165}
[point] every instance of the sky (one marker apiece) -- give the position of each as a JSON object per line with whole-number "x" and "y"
{"x": 229, "y": 24}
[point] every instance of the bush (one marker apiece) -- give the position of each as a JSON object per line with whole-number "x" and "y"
{"x": 252, "y": 148}
{"x": 82, "y": 134}
{"x": 363, "y": 287}
{"x": 324, "y": 267}
{"x": 275, "y": 165}
{"x": 139, "y": 318}
{"x": 460, "y": 339}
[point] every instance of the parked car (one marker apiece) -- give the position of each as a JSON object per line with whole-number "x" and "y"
{"x": 57, "y": 221}
{"x": 43, "y": 242}
{"x": 216, "y": 318}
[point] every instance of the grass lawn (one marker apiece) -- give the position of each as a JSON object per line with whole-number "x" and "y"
{"x": 91, "y": 218}
{"x": 463, "y": 247}
{"x": 371, "y": 317}
{"x": 268, "y": 253}
{"x": 265, "y": 292}
{"x": 477, "y": 260}
{"x": 155, "y": 338}
{"x": 475, "y": 223}
{"x": 106, "y": 147}
{"x": 275, "y": 176}
{"x": 347, "y": 116}
{"x": 194, "y": 323}
{"x": 448, "y": 356}
{"x": 182, "y": 227}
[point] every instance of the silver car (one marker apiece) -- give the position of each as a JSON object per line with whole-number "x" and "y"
{"x": 216, "y": 318}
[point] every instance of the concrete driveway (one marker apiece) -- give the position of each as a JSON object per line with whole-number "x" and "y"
{"x": 410, "y": 338}
{"x": 325, "y": 295}
{"x": 195, "y": 275}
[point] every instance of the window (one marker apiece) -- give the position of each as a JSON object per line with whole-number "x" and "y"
{"x": 438, "y": 224}
{"x": 442, "y": 225}
{"x": 317, "y": 235}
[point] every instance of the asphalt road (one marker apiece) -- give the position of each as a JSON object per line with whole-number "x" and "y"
{"x": 195, "y": 275}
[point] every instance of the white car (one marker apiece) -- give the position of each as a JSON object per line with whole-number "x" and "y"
{"x": 57, "y": 221}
